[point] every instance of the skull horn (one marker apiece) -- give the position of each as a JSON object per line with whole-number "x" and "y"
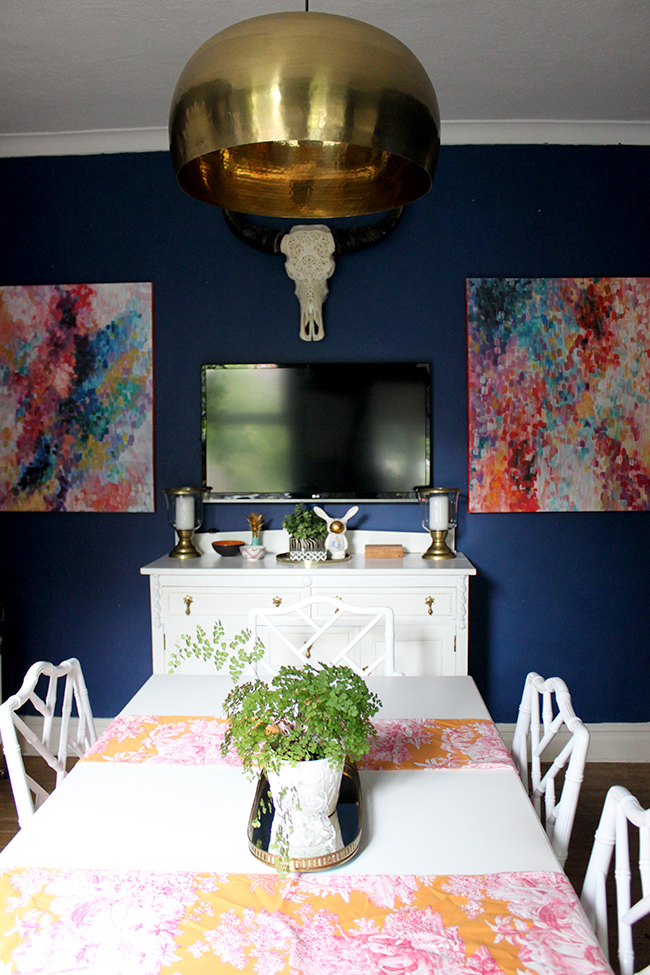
{"x": 264, "y": 239}
{"x": 269, "y": 241}
{"x": 358, "y": 238}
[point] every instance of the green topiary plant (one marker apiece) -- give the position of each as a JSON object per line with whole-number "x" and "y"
{"x": 303, "y": 714}
{"x": 304, "y": 523}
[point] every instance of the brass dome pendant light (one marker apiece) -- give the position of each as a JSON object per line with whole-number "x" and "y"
{"x": 307, "y": 115}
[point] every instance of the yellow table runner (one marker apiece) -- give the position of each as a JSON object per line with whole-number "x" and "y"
{"x": 144, "y": 923}
{"x": 412, "y": 743}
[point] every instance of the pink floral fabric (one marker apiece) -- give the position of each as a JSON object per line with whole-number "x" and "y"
{"x": 408, "y": 744}
{"x": 142, "y": 923}
{"x": 163, "y": 740}
{"x": 416, "y": 743}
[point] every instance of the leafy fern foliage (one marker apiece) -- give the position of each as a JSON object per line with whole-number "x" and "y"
{"x": 216, "y": 650}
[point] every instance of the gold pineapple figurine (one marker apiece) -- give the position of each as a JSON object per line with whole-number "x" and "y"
{"x": 255, "y": 521}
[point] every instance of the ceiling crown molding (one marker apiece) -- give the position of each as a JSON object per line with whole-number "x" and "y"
{"x": 537, "y": 132}
{"x": 514, "y": 132}
{"x": 91, "y": 142}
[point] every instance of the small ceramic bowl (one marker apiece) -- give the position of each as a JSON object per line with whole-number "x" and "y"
{"x": 227, "y": 546}
{"x": 253, "y": 551}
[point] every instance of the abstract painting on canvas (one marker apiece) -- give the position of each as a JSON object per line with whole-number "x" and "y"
{"x": 559, "y": 394}
{"x": 76, "y": 407}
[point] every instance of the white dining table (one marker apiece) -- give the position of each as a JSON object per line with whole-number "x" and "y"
{"x": 180, "y": 817}
{"x": 401, "y": 697}
{"x": 139, "y": 864}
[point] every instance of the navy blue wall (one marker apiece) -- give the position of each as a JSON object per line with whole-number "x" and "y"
{"x": 563, "y": 593}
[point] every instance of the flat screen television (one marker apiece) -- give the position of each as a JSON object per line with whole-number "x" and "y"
{"x": 347, "y": 431}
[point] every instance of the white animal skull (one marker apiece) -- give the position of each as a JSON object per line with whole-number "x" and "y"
{"x": 308, "y": 250}
{"x": 309, "y": 263}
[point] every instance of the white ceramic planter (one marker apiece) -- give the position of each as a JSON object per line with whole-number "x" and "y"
{"x": 310, "y": 778}
{"x": 305, "y": 798}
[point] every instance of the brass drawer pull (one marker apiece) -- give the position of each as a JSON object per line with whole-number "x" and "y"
{"x": 188, "y": 600}
{"x": 277, "y": 601}
{"x": 429, "y": 601}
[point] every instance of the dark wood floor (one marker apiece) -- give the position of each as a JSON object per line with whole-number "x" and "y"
{"x": 598, "y": 779}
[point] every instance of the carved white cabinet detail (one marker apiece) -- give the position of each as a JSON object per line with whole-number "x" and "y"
{"x": 430, "y": 600}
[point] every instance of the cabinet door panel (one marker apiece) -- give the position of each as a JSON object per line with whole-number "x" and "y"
{"x": 425, "y": 650}
{"x": 324, "y": 651}
{"x": 276, "y": 651}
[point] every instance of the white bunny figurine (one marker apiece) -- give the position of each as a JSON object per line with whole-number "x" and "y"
{"x": 336, "y": 543}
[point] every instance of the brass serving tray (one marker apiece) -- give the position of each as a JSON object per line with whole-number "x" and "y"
{"x": 349, "y": 810}
{"x": 285, "y": 558}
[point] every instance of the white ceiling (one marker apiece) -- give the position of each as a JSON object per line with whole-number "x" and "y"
{"x": 103, "y": 71}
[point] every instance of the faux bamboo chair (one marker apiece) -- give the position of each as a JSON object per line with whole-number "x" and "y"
{"x": 297, "y": 615}
{"x": 620, "y": 810}
{"x": 534, "y": 733}
{"x": 12, "y": 726}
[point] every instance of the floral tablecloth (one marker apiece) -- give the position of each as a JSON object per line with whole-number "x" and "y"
{"x": 406, "y": 744}
{"x": 143, "y": 923}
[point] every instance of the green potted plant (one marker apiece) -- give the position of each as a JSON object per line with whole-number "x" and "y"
{"x": 298, "y": 730}
{"x": 307, "y": 533}
{"x": 304, "y": 714}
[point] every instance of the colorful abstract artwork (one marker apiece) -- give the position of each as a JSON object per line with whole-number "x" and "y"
{"x": 559, "y": 394}
{"x": 76, "y": 406}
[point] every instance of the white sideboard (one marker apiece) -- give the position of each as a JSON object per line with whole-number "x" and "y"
{"x": 430, "y": 600}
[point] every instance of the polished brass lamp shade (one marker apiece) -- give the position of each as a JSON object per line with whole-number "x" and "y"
{"x": 304, "y": 115}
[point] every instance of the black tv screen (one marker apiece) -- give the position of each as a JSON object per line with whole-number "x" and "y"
{"x": 358, "y": 431}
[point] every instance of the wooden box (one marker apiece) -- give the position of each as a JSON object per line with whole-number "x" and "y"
{"x": 384, "y": 552}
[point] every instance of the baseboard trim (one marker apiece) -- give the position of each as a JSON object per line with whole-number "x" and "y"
{"x": 610, "y": 741}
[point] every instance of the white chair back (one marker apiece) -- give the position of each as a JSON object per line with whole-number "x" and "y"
{"x": 534, "y": 732}
{"x": 620, "y": 810}
{"x": 280, "y": 620}
{"x": 12, "y": 726}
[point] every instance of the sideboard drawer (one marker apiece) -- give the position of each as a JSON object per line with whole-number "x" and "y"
{"x": 224, "y": 602}
{"x": 413, "y": 603}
